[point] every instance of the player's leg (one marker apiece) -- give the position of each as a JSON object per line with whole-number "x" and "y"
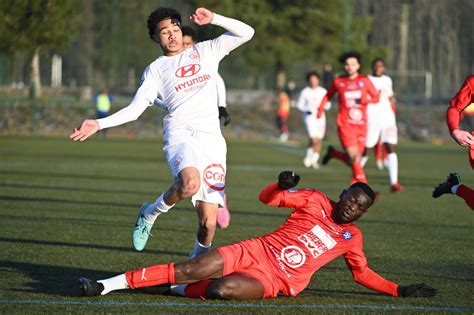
{"x": 309, "y": 154}
{"x": 465, "y": 193}
{"x": 379, "y": 149}
{"x": 223, "y": 214}
{"x": 316, "y": 146}
{"x": 389, "y": 138}
{"x": 207, "y": 223}
{"x": 236, "y": 286}
{"x": 354, "y": 153}
{"x": 206, "y": 266}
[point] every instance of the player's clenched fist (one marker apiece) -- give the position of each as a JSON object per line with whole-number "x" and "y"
{"x": 87, "y": 129}
{"x": 202, "y": 16}
{"x": 288, "y": 179}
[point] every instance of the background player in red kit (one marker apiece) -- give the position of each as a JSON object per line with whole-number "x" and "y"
{"x": 458, "y": 104}
{"x": 317, "y": 231}
{"x": 355, "y": 92}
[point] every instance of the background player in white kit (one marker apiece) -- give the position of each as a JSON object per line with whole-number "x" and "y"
{"x": 184, "y": 79}
{"x": 381, "y": 122}
{"x": 308, "y": 102}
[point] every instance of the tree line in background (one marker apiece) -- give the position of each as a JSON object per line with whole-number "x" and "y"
{"x": 106, "y": 43}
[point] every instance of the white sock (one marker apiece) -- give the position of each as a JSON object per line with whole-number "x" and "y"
{"x": 393, "y": 168}
{"x": 199, "y": 249}
{"x": 115, "y": 283}
{"x": 155, "y": 209}
{"x": 315, "y": 158}
{"x": 309, "y": 153}
{"x": 454, "y": 189}
{"x": 178, "y": 289}
{"x": 363, "y": 160}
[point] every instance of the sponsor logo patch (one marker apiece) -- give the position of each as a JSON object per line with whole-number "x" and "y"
{"x": 317, "y": 241}
{"x": 188, "y": 71}
{"x": 214, "y": 177}
{"x": 293, "y": 256}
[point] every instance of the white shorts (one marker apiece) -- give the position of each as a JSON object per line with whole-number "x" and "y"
{"x": 316, "y": 127}
{"x": 204, "y": 151}
{"x": 387, "y": 132}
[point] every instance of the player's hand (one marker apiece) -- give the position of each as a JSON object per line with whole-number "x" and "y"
{"x": 87, "y": 129}
{"x": 463, "y": 138}
{"x": 288, "y": 179}
{"x": 416, "y": 290}
{"x": 202, "y": 16}
{"x": 224, "y": 115}
{"x": 320, "y": 112}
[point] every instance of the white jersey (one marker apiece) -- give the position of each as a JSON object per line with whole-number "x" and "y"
{"x": 186, "y": 83}
{"x": 310, "y": 99}
{"x": 381, "y": 110}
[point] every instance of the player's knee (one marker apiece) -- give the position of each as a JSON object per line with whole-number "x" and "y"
{"x": 224, "y": 290}
{"x": 189, "y": 187}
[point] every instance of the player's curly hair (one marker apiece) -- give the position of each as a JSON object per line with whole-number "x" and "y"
{"x": 159, "y": 15}
{"x": 310, "y": 74}
{"x": 378, "y": 59}
{"x": 350, "y": 54}
{"x": 365, "y": 188}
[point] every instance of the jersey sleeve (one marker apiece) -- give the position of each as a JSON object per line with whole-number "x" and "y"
{"x": 238, "y": 33}
{"x": 272, "y": 195}
{"x": 221, "y": 92}
{"x": 464, "y": 97}
{"x": 144, "y": 97}
{"x": 372, "y": 91}
{"x": 332, "y": 90}
{"x": 357, "y": 263}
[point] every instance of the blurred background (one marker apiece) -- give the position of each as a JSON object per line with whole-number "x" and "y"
{"x": 56, "y": 55}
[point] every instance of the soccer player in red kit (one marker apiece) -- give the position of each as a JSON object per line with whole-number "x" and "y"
{"x": 317, "y": 231}
{"x": 458, "y": 104}
{"x": 355, "y": 92}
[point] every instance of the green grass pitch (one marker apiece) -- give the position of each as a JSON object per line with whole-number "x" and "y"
{"x": 67, "y": 210}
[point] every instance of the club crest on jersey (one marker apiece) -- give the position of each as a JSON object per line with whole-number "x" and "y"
{"x": 361, "y": 84}
{"x": 347, "y": 235}
{"x": 293, "y": 256}
{"x": 188, "y": 71}
{"x": 214, "y": 177}
{"x": 194, "y": 55}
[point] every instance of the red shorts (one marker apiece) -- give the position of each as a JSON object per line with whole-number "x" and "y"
{"x": 352, "y": 135}
{"x": 249, "y": 257}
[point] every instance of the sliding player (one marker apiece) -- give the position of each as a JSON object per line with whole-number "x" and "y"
{"x": 381, "y": 123}
{"x": 308, "y": 103}
{"x": 355, "y": 92}
{"x": 318, "y": 231}
{"x": 184, "y": 79}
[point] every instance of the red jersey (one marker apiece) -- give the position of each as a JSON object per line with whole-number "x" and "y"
{"x": 310, "y": 238}
{"x": 463, "y": 99}
{"x": 354, "y": 95}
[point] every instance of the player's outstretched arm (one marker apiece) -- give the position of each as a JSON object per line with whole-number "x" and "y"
{"x": 88, "y": 128}
{"x": 372, "y": 280}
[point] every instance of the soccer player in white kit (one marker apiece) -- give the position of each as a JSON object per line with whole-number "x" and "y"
{"x": 189, "y": 40}
{"x": 381, "y": 122}
{"x": 308, "y": 102}
{"x": 184, "y": 79}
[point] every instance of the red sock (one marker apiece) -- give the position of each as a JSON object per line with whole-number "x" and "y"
{"x": 197, "y": 290}
{"x": 358, "y": 174}
{"x": 467, "y": 194}
{"x": 378, "y": 151}
{"x": 151, "y": 276}
{"x": 340, "y": 156}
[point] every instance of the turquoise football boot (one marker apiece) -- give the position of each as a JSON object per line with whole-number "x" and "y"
{"x": 142, "y": 229}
